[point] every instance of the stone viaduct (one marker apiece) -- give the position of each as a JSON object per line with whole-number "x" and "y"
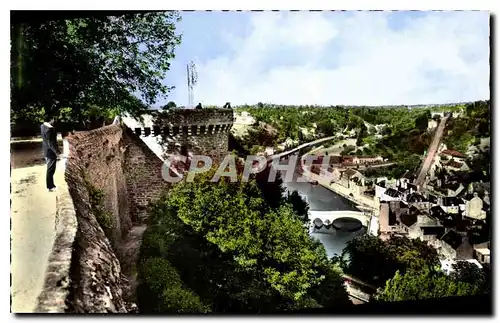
{"x": 92, "y": 267}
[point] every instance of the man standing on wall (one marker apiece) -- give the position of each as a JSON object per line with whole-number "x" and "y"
{"x": 50, "y": 150}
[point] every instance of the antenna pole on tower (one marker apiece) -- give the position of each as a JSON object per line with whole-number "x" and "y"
{"x": 192, "y": 77}
{"x": 188, "y": 84}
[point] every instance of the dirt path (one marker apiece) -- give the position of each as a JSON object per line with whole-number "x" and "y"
{"x": 432, "y": 152}
{"x": 33, "y": 211}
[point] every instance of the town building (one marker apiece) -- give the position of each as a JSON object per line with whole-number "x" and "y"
{"x": 453, "y": 245}
{"x": 367, "y": 160}
{"x": 432, "y": 124}
{"x": 482, "y": 252}
{"x": 387, "y": 194}
{"x": 353, "y": 180}
{"x": 348, "y": 160}
{"x": 474, "y": 208}
{"x": 453, "y": 165}
{"x": 450, "y": 154}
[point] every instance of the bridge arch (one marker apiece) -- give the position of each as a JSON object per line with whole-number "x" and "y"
{"x": 329, "y": 218}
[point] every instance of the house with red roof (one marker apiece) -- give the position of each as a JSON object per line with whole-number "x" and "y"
{"x": 456, "y": 166}
{"x": 453, "y": 155}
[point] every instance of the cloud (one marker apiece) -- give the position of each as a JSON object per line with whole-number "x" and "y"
{"x": 360, "y": 58}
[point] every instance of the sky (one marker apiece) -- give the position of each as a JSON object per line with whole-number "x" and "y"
{"x": 332, "y": 58}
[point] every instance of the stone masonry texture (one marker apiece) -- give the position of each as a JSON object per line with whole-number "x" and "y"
{"x": 203, "y": 131}
{"x": 96, "y": 279}
{"x": 85, "y": 272}
{"x": 144, "y": 178}
{"x": 57, "y": 278}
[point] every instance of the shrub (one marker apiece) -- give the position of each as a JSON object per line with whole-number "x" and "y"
{"x": 179, "y": 300}
{"x": 163, "y": 280}
{"x": 96, "y": 196}
{"x": 347, "y": 150}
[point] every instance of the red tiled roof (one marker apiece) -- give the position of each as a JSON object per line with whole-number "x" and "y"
{"x": 318, "y": 160}
{"x": 454, "y": 164}
{"x": 315, "y": 169}
{"x": 453, "y": 153}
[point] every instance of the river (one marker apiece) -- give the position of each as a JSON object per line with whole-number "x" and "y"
{"x": 322, "y": 199}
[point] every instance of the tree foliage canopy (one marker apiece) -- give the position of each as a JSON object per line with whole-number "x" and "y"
{"x": 299, "y": 205}
{"x": 403, "y": 136}
{"x": 424, "y": 284}
{"x": 470, "y": 273}
{"x": 238, "y": 253}
{"x": 375, "y": 261}
{"x": 474, "y": 123}
{"x": 91, "y": 62}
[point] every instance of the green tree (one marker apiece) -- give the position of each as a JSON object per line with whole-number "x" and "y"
{"x": 272, "y": 191}
{"x": 368, "y": 259}
{"x": 423, "y": 284}
{"x": 91, "y": 62}
{"x": 386, "y": 131}
{"x": 355, "y": 122}
{"x": 326, "y": 127}
{"x": 467, "y": 272}
{"x": 170, "y": 105}
{"x": 236, "y": 252}
{"x": 260, "y": 136}
{"x": 347, "y": 150}
{"x": 421, "y": 122}
{"x": 412, "y": 253}
{"x": 162, "y": 279}
{"x": 299, "y": 205}
{"x": 375, "y": 261}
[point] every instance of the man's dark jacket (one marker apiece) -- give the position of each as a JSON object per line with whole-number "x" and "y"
{"x": 49, "y": 142}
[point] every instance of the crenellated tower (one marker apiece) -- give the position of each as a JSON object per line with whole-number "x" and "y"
{"x": 198, "y": 131}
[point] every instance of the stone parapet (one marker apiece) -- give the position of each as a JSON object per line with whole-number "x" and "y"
{"x": 57, "y": 278}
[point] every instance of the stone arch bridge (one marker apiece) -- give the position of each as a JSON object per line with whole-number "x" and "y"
{"x": 328, "y": 218}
